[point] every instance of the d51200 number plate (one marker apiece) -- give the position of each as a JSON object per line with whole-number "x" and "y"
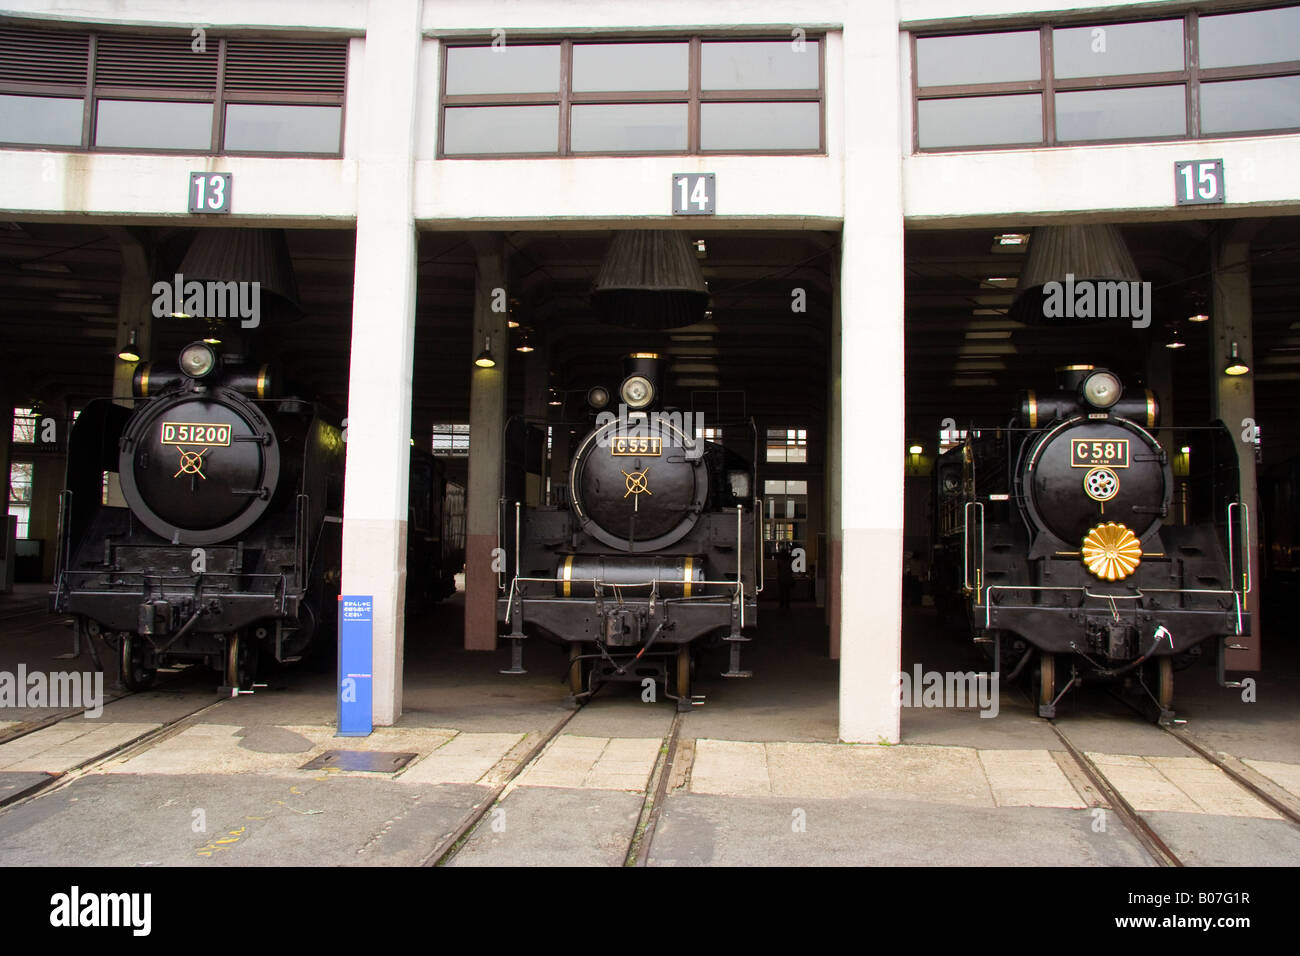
{"x": 195, "y": 433}
{"x": 1089, "y": 452}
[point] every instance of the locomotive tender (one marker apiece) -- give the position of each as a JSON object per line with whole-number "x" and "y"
{"x": 229, "y": 546}
{"x": 1063, "y": 531}
{"x": 652, "y": 551}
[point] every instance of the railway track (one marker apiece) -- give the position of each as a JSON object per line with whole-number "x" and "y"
{"x": 1139, "y": 825}
{"x": 639, "y": 844}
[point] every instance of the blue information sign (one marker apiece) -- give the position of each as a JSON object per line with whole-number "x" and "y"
{"x": 356, "y": 624}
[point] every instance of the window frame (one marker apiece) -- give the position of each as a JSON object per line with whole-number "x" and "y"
{"x": 91, "y": 93}
{"x": 693, "y": 96}
{"x": 1048, "y": 85}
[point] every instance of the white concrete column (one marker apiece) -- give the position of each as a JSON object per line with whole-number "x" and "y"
{"x": 1233, "y": 396}
{"x": 383, "y": 328}
{"x": 871, "y": 388}
{"x": 134, "y": 316}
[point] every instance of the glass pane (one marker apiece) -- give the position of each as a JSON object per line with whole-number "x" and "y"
{"x": 153, "y": 125}
{"x": 1242, "y": 105}
{"x": 981, "y": 58}
{"x": 760, "y": 125}
{"x": 980, "y": 121}
{"x": 610, "y": 67}
{"x": 283, "y": 129}
{"x": 1240, "y": 39}
{"x": 629, "y": 127}
{"x": 501, "y": 129}
{"x": 503, "y": 69}
{"x": 1118, "y": 49}
{"x": 765, "y": 65}
{"x": 40, "y": 119}
{"x": 1122, "y": 114}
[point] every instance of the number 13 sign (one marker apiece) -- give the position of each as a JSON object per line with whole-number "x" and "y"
{"x": 210, "y": 192}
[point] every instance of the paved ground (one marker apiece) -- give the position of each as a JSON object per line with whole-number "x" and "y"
{"x": 759, "y": 777}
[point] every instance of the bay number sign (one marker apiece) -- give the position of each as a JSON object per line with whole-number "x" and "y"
{"x": 1198, "y": 182}
{"x": 210, "y": 192}
{"x": 694, "y": 194}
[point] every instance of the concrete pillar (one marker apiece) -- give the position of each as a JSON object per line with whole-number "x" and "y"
{"x": 834, "y": 438}
{"x": 871, "y": 340}
{"x": 6, "y": 440}
{"x": 1233, "y": 396}
{"x": 487, "y": 419}
{"x": 134, "y": 315}
{"x": 383, "y": 329}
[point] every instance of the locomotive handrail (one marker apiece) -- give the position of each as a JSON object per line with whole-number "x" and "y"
{"x": 1141, "y": 593}
{"x": 758, "y": 543}
{"x": 501, "y": 574}
{"x": 966, "y": 549}
{"x": 518, "y": 512}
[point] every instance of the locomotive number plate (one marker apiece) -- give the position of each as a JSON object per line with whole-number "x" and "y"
{"x": 1090, "y": 453}
{"x": 636, "y": 446}
{"x": 194, "y": 433}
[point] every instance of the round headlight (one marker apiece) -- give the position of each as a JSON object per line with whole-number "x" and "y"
{"x": 198, "y": 360}
{"x": 637, "y": 392}
{"x": 1101, "y": 389}
{"x": 598, "y": 397}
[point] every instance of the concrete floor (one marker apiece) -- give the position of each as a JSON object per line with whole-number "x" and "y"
{"x": 762, "y": 779}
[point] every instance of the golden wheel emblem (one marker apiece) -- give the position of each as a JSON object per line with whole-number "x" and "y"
{"x": 1101, "y": 484}
{"x": 191, "y": 463}
{"x": 1111, "y": 551}
{"x": 636, "y": 482}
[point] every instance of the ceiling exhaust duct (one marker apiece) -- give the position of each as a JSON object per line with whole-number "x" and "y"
{"x": 1071, "y": 256}
{"x": 650, "y": 279}
{"x": 247, "y": 255}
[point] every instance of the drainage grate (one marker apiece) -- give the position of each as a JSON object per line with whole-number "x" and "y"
{"x": 371, "y": 761}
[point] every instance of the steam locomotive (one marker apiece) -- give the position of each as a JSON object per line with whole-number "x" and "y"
{"x": 651, "y": 551}
{"x": 229, "y": 546}
{"x": 1069, "y": 533}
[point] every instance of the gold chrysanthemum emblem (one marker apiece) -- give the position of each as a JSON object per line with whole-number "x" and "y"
{"x": 1111, "y": 551}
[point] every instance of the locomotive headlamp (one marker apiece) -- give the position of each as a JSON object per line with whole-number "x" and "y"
{"x": 198, "y": 360}
{"x": 637, "y": 392}
{"x": 1102, "y": 389}
{"x": 598, "y": 397}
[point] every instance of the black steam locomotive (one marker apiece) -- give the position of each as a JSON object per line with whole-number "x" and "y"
{"x": 652, "y": 550}
{"x": 1070, "y": 532}
{"x": 229, "y": 546}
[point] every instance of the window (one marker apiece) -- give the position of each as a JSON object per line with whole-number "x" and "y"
{"x": 709, "y": 433}
{"x": 24, "y": 432}
{"x": 785, "y": 511}
{"x": 20, "y": 494}
{"x": 787, "y": 445}
{"x": 156, "y": 92}
{"x": 567, "y": 98}
{"x": 951, "y": 438}
{"x": 1177, "y": 78}
{"x": 451, "y": 440}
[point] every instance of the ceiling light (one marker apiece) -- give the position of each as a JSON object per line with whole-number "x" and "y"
{"x": 1186, "y": 449}
{"x": 1003, "y": 334}
{"x": 484, "y": 359}
{"x": 1175, "y": 343}
{"x": 915, "y": 450}
{"x": 1235, "y": 364}
{"x": 1011, "y": 239}
{"x": 128, "y": 353}
{"x": 1198, "y": 317}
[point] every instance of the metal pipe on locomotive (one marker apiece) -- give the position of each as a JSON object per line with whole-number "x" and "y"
{"x": 1056, "y": 531}
{"x": 652, "y": 550}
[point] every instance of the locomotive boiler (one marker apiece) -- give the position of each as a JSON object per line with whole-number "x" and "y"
{"x": 651, "y": 551}
{"x": 1069, "y": 534}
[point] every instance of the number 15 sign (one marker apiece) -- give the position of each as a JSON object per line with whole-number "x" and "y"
{"x": 1198, "y": 182}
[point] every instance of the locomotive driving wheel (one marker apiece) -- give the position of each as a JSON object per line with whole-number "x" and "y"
{"x": 241, "y": 662}
{"x": 1046, "y": 678}
{"x": 685, "y": 671}
{"x": 1159, "y": 678}
{"x": 135, "y": 676}
{"x": 577, "y": 669}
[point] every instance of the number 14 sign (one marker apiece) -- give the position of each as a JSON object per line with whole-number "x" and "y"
{"x": 694, "y": 194}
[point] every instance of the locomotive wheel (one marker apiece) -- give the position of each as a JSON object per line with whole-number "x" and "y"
{"x": 685, "y": 666}
{"x": 1046, "y": 677}
{"x": 133, "y": 672}
{"x": 241, "y": 662}
{"x": 577, "y": 668}
{"x": 1164, "y": 681}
